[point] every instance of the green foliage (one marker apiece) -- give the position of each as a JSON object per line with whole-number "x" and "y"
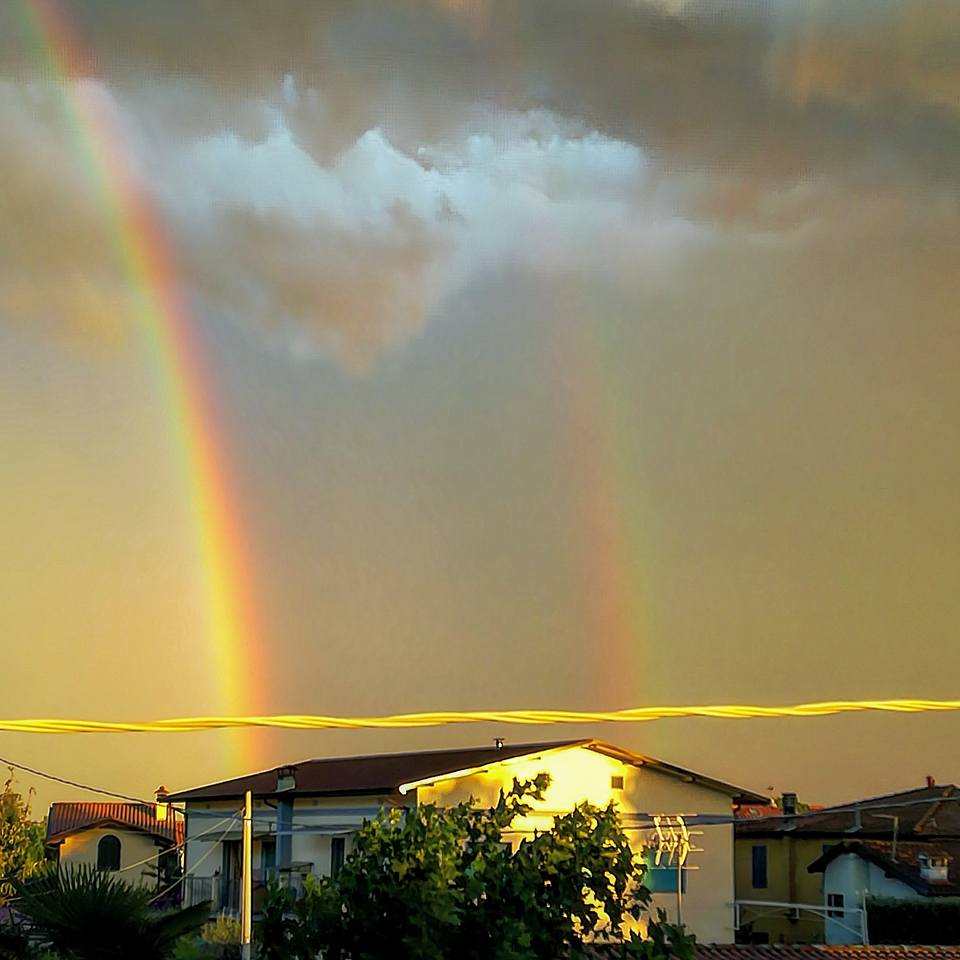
{"x": 87, "y": 914}
{"x": 22, "y": 854}
{"x": 934, "y": 921}
{"x": 223, "y": 930}
{"x": 431, "y": 883}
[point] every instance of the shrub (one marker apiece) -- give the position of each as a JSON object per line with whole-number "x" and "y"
{"x": 931, "y": 922}
{"x": 89, "y": 914}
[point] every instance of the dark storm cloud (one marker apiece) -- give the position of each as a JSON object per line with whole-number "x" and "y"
{"x": 345, "y": 165}
{"x": 777, "y": 88}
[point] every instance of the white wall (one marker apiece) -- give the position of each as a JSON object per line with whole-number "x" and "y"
{"x": 81, "y": 848}
{"x": 855, "y": 879}
{"x": 577, "y": 775}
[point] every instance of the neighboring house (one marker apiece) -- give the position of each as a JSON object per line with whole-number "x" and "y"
{"x": 869, "y": 868}
{"x": 124, "y": 838}
{"x": 775, "y": 849}
{"x": 305, "y": 814}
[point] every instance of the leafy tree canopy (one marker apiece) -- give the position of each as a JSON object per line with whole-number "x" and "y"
{"x": 21, "y": 840}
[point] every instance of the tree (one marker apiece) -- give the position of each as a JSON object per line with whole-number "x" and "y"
{"x": 433, "y": 883}
{"x": 89, "y": 914}
{"x": 22, "y": 853}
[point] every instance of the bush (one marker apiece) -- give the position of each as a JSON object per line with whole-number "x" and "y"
{"x": 88, "y": 914}
{"x": 931, "y": 922}
{"x": 431, "y": 883}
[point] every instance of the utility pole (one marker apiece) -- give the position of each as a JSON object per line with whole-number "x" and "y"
{"x": 246, "y": 882}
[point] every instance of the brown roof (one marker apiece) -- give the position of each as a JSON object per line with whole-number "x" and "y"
{"x": 926, "y": 811}
{"x": 811, "y": 951}
{"x": 385, "y": 773}
{"x": 906, "y": 867}
{"x": 65, "y": 819}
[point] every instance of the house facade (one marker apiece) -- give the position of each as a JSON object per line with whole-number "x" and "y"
{"x": 855, "y": 872}
{"x": 783, "y": 898}
{"x": 305, "y": 815}
{"x": 123, "y": 838}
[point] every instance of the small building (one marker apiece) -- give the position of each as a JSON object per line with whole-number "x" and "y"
{"x": 855, "y": 872}
{"x": 306, "y": 813}
{"x": 780, "y": 898}
{"x": 124, "y": 838}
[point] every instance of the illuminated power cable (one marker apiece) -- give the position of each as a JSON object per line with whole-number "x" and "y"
{"x": 442, "y": 718}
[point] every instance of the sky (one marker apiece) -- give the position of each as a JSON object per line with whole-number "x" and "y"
{"x": 578, "y": 354}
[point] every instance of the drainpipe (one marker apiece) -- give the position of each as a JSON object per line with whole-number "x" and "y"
{"x": 284, "y": 833}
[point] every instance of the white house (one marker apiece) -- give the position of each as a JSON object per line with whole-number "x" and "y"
{"x": 854, "y": 872}
{"x": 305, "y": 814}
{"x": 123, "y": 838}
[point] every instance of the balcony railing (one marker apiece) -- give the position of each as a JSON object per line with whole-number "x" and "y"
{"x": 223, "y": 893}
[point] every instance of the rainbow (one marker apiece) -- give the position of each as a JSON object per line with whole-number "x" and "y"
{"x": 149, "y": 264}
{"x": 610, "y": 573}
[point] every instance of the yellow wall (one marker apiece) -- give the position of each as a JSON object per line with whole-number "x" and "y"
{"x": 81, "y": 848}
{"x": 788, "y": 881}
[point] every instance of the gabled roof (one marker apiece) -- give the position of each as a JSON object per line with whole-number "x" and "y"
{"x": 66, "y": 819}
{"x": 385, "y": 774}
{"x": 905, "y": 868}
{"x": 932, "y": 811}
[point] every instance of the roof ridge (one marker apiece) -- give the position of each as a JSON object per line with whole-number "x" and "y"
{"x": 426, "y": 753}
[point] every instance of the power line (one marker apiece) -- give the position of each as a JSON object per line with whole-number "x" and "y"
{"x": 442, "y": 718}
{"x": 72, "y": 783}
{"x": 213, "y": 847}
{"x": 162, "y": 853}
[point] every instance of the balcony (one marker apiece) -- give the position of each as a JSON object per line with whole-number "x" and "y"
{"x": 224, "y": 892}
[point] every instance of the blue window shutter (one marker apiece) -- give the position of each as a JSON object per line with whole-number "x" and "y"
{"x": 662, "y": 879}
{"x": 759, "y": 867}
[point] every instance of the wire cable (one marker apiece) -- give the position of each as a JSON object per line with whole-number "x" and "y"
{"x": 183, "y": 843}
{"x": 435, "y": 719}
{"x": 72, "y": 783}
{"x": 214, "y": 846}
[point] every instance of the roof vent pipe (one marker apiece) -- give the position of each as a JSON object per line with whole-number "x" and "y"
{"x": 931, "y": 783}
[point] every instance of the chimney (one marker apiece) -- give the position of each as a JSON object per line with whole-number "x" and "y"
{"x": 934, "y": 868}
{"x": 286, "y": 779}
{"x": 162, "y": 807}
{"x": 788, "y": 804}
{"x": 931, "y": 783}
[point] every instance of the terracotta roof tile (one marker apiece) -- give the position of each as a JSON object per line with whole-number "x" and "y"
{"x": 819, "y": 952}
{"x": 927, "y": 811}
{"x": 68, "y": 818}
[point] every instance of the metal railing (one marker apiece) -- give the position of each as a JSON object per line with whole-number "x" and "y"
{"x": 851, "y": 920}
{"x": 223, "y": 893}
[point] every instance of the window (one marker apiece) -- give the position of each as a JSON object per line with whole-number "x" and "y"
{"x": 835, "y": 902}
{"x": 662, "y": 878}
{"x": 759, "y": 867}
{"x": 108, "y": 853}
{"x": 337, "y": 851}
{"x": 616, "y": 783}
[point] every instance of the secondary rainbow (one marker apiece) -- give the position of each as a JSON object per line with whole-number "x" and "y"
{"x": 148, "y": 261}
